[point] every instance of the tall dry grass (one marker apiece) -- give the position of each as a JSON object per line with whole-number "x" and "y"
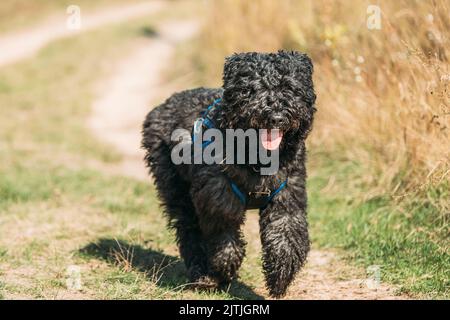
{"x": 383, "y": 95}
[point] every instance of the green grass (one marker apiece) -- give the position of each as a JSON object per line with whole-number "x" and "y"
{"x": 409, "y": 240}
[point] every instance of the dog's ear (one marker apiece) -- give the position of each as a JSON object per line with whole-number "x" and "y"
{"x": 238, "y": 72}
{"x": 238, "y": 66}
{"x": 298, "y": 62}
{"x": 300, "y": 67}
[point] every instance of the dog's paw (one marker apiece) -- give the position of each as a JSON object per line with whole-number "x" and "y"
{"x": 277, "y": 290}
{"x": 226, "y": 262}
{"x": 278, "y": 279}
{"x": 206, "y": 282}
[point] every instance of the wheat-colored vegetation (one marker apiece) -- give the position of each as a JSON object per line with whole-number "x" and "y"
{"x": 383, "y": 95}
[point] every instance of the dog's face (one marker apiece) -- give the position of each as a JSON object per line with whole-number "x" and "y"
{"x": 270, "y": 91}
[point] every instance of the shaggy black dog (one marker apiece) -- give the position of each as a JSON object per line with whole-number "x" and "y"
{"x": 260, "y": 91}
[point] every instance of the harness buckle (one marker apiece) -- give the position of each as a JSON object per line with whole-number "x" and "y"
{"x": 266, "y": 193}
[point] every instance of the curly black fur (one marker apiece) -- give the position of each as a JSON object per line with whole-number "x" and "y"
{"x": 198, "y": 199}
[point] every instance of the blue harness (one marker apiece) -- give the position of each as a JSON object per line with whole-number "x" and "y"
{"x": 251, "y": 200}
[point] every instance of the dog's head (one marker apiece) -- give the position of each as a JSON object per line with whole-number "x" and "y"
{"x": 270, "y": 91}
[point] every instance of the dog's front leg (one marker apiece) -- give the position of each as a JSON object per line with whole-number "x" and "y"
{"x": 285, "y": 241}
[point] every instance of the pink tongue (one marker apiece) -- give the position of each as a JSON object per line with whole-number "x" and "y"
{"x": 271, "y": 139}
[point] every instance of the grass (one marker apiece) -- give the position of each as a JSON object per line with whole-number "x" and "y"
{"x": 408, "y": 241}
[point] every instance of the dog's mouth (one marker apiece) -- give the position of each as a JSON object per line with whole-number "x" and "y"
{"x": 271, "y": 138}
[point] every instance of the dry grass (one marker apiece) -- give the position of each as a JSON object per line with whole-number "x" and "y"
{"x": 383, "y": 95}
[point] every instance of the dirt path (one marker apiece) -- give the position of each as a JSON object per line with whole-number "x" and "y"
{"x": 116, "y": 119}
{"x": 327, "y": 276}
{"x": 125, "y": 99}
{"x": 22, "y": 44}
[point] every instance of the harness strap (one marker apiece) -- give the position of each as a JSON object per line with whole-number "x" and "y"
{"x": 245, "y": 201}
{"x": 204, "y": 121}
{"x": 208, "y": 123}
{"x": 281, "y": 187}
{"x": 238, "y": 193}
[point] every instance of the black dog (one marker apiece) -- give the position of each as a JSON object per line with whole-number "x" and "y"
{"x": 206, "y": 204}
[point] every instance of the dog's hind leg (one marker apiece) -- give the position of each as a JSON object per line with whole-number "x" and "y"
{"x": 220, "y": 217}
{"x": 285, "y": 241}
{"x": 174, "y": 193}
{"x": 190, "y": 242}
{"x": 225, "y": 250}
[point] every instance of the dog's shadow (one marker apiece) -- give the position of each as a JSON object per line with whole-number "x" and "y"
{"x": 168, "y": 272}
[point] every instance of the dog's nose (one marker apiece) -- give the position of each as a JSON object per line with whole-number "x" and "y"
{"x": 276, "y": 121}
